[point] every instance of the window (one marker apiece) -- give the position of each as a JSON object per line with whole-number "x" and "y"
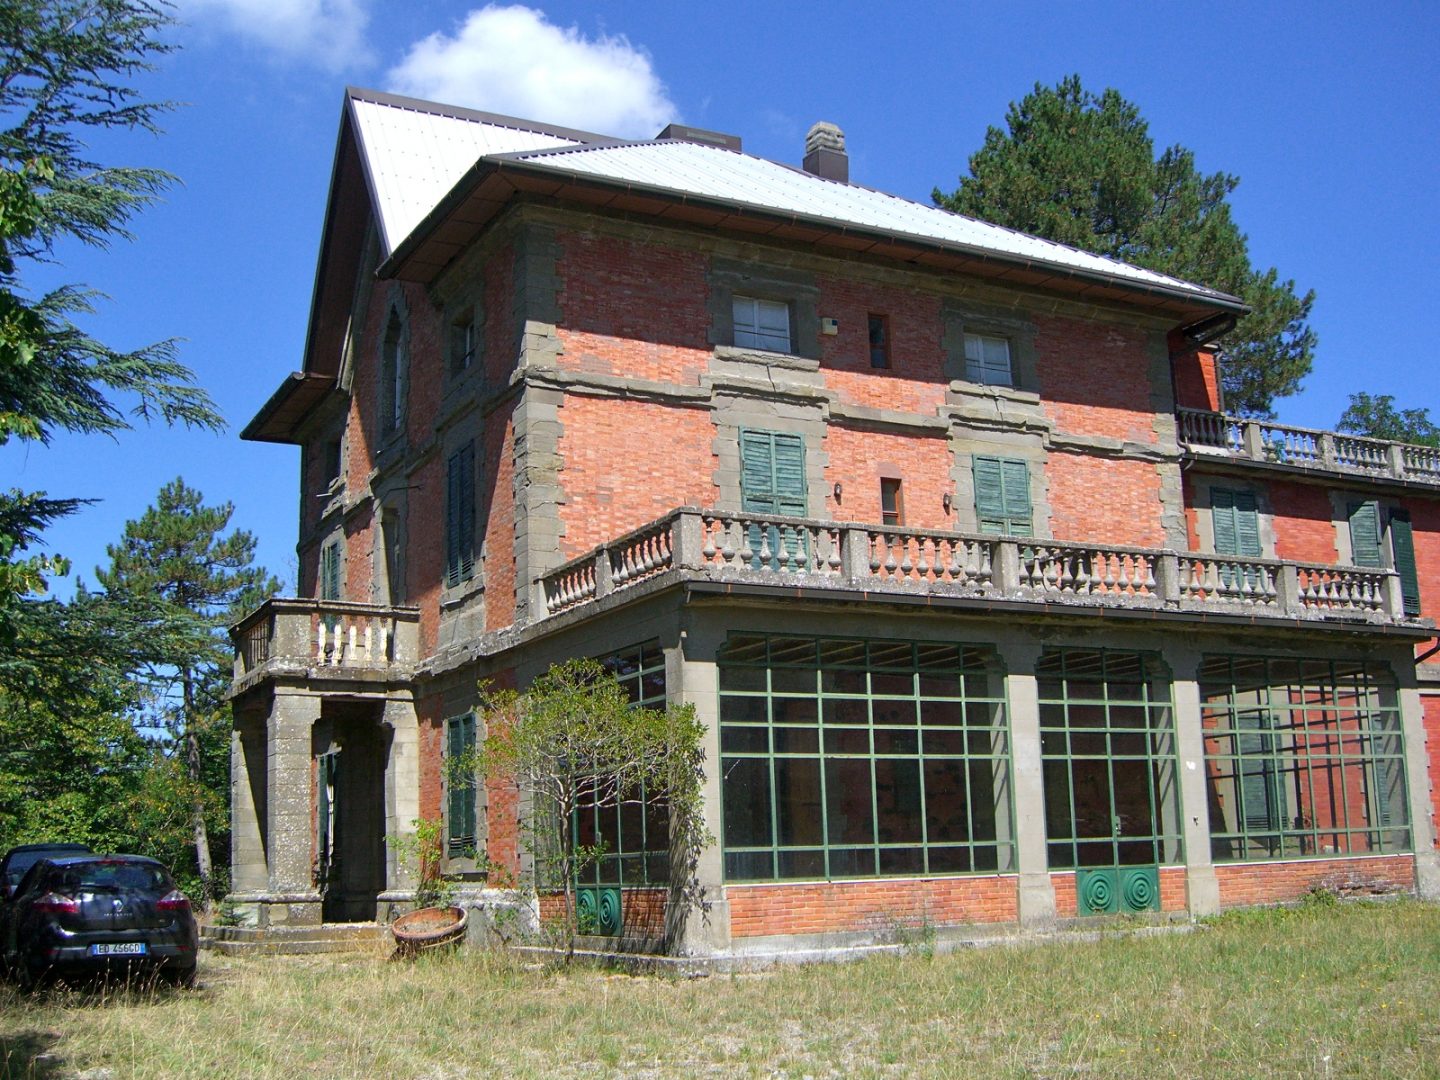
{"x": 1302, "y": 757}
{"x": 772, "y": 481}
{"x": 987, "y": 360}
{"x": 462, "y": 346}
{"x": 392, "y": 376}
{"x": 1236, "y": 520}
{"x": 460, "y": 516}
{"x": 762, "y": 324}
{"x": 636, "y": 835}
{"x": 1108, "y": 756}
{"x": 846, "y": 758}
{"x": 1002, "y": 496}
{"x": 330, "y": 571}
{"x": 460, "y": 831}
{"x": 394, "y": 556}
{"x": 892, "y": 505}
{"x": 1367, "y": 542}
{"x": 879, "y": 341}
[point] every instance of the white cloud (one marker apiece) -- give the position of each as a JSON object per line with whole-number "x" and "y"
{"x": 513, "y": 60}
{"x": 330, "y": 33}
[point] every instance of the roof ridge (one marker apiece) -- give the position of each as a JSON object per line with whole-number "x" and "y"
{"x": 479, "y": 116}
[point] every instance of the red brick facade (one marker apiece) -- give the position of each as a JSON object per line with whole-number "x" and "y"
{"x": 880, "y": 906}
{"x": 1283, "y": 882}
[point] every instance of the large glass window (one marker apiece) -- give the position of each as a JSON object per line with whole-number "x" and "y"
{"x": 1303, "y": 757}
{"x": 636, "y": 834}
{"x": 761, "y": 324}
{"x": 1107, "y": 744}
{"x": 845, "y": 758}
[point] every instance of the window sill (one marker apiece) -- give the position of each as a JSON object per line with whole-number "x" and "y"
{"x": 738, "y": 354}
{"x": 965, "y": 388}
{"x": 457, "y": 595}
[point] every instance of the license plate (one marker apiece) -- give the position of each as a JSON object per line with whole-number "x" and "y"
{"x": 120, "y": 948}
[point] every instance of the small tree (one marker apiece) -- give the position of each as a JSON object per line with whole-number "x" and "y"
{"x": 1378, "y": 418}
{"x": 573, "y": 741}
{"x": 178, "y": 555}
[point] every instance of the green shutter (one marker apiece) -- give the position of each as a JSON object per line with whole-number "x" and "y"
{"x": 460, "y": 516}
{"x": 330, "y": 572}
{"x": 772, "y": 481}
{"x": 460, "y": 819}
{"x": 1015, "y": 476}
{"x": 1365, "y": 534}
{"x": 1235, "y": 516}
{"x": 1259, "y": 790}
{"x": 1002, "y": 496}
{"x": 1402, "y": 544}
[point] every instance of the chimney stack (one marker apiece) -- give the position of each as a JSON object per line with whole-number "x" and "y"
{"x": 825, "y": 152}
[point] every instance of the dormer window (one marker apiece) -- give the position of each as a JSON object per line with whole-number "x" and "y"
{"x": 762, "y": 324}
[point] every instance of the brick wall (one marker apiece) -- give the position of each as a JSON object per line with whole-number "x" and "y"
{"x": 915, "y": 382}
{"x": 879, "y": 906}
{"x": 1095, "y": 378}
{"x": 858, "y": 459}
{"x": 1304, "y": 522}
{"x": 1104, "y": 501}
{"x": 1196, "y": 377}
{"x": 642, "y": 912}
{"x": 1243, "y": 884}
{"x": 633, "y": 309}
{"x": 629, "y": 462}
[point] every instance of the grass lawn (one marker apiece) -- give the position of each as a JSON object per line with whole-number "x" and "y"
{"x": 1323, "y": 991}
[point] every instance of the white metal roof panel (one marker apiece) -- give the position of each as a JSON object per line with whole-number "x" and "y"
{"x": 726, "y": 176}
{"x": 414, "y": 157}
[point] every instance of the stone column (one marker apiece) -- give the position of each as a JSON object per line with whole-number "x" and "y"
{"x": 1202, "y": 889}
{"x": 249, "y": 874}
{"x": 291, "y": 898}
{"x": 402, "y": 787}
{"x": 691, "y": 678}
{"x": 1417, "y": 780}
{"x": 1037, "y": 895}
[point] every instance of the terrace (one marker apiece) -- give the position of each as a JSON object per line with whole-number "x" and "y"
{"x": 874, "y": 562}
{"x": 325, "y": 639}
{"x": 1214, "y": 434}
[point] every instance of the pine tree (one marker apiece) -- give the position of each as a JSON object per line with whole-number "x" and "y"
{"x": 1081, "y": 169}
{"x": 178, "y": 555}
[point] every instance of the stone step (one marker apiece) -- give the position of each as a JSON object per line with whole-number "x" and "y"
{"x": 293, "y": 940}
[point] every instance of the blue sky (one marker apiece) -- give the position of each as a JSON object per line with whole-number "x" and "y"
{"x": 1327, "y": 113}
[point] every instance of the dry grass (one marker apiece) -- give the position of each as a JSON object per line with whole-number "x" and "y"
{"x": 1348, "y": 991}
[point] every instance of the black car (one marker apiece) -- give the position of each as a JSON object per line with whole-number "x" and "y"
{"x": 79, "y": 914}
{"x": 19, "y": 859}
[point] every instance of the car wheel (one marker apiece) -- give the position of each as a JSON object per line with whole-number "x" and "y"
{"x": 181, "y": 977}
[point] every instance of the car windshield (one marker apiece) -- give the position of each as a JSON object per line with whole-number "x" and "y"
{"x": 109, "y": 875}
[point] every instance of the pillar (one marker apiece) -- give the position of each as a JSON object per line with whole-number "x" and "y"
{"x": 249, "y": 873}
{"x": 291, "y": 898}
{"x": 1417, "y": 779}
{"x": 1202, "y": 889}
{"x": 1037, "y": 894}
{"x": 402, "y": 787}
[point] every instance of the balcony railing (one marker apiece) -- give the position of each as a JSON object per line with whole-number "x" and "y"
{"x": 325, "y": 637}
{"x": 1281, "y": 444}
{"x": 740, "y": 548}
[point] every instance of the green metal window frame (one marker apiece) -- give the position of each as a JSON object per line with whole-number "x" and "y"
{"x": 1319, "y": 741}
{"x": 637, "y": 836}
{"x": 845, "y": 758}
{"x": 1107, "y": 721}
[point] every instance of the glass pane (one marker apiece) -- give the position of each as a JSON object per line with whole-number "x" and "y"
{"x": 802, "y": 864}
{"x": 745, "y": 790}
{"x": 897, "y": 801}
{"x": 849, "y": 813}
{"x": 744, "y": 740}
{"x": 797, "y": 801}
{"x": 945, "y": 798}
{"x": 797, "y": 740}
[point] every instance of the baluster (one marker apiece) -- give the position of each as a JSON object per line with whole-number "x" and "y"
{"x": 366, "y": 657}
{"x": 922, "y": 563}
{"x": 986, "y": 571}
{"x": 907, "y": 565}
{"x": 956, "y": 567}
{"x": 835, "y": 561}
{"x": 707, "y": 539}
{"x": 320, "y": 641}
{"x": 1066, "y": 579}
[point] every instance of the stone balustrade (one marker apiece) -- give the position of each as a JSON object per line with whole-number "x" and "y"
{"x": 1282, "y": 444}
{"x": 325, "y": 637}
{"x": 739, "y": 548}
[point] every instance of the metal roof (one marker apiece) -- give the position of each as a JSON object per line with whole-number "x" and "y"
{"x": 414, "y": 156}
{"x": 716, "y": 173}
{"x": 417, "y": 153}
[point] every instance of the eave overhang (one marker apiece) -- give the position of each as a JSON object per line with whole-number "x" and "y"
{"x": 482, "y": 193}
{"x": 287, "y": 407}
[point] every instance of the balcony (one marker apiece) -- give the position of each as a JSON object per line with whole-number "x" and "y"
{"x": 1215, "y": 434}
{"x": 325, "y": 639}
{"x": 736, "y": 549}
